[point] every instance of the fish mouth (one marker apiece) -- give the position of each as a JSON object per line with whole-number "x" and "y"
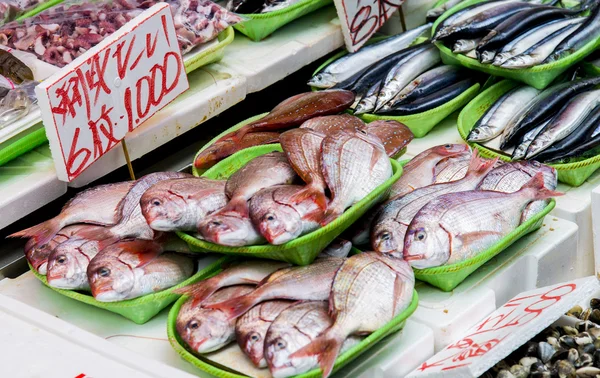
{"x": 105, "y": 294}
{"x": 414, "y": 257}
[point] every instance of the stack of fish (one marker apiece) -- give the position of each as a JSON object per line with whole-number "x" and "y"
{"x": 339, "y": 155}
{"x": 101, "y": 241}
{"x": 392, "y": 77}
{"x": 293, "y": 319}
{"x": 519, "y": 34}
{"x": 451, "y": 205}
{"x": 556, "y": 125}
{"x": 259, "y": 6}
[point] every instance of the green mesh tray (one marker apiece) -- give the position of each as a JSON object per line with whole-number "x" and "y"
{"x": 181, "y": 348}
{"x": 23, "y": 145}
{"x": 303, "y": 250}
{"x": 260, "y": 25}
{"x": 447, "y": 277}
{"x": 142, "y": 309}
{"x": 420, "y": 123}
{"x": 210, "y": 55}
{"x": 539, "y": 76}
{"x": 590, "y": 69}
{"x": 573, "y": 174}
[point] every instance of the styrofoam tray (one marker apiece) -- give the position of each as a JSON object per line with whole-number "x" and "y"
{"x": 538, "y": 259}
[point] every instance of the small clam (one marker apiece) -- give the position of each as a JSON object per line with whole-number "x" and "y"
{"x": 596, "y": 357}
{"x": 583, "y": 338}
{"x": 585, "y": 315}
{"x": 567, "y": 341}
{"x": 595, "y": 316}
{"x": 585, "y": 325}
{"x": 573, "y": 356}
{"x": 564, "y": 369}
{"x": 595, "y": 303}
{"x": 584, "y": 359}
{"x": 568, "y": 330}
{"x": 538, "y": 366}
{"x": 505, "y": 374}
{"x": 588, "y": 348}
{"x": 540, "y": 374}
{"x": 594, "y": 332}
{"x": 545, "y": 351}
{"x": 551, "y": 332}
{"x": 575, "y": 311}
{"x": 597, "y": 343}
{"x": 531, "y": 349}
{"x": 519, "y": 371}
{"x": 528, "y": 361}
{"x": 553, "y": 341}
{"x": 588, "y": 372}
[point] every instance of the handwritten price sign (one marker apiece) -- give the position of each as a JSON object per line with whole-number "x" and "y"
{"x": 362, "y": 18}
{"x": 90, "y": 105}
{"x": 506, "y": 329}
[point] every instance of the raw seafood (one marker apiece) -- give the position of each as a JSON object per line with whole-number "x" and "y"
{"x": 394, "y": 135}
{"x": 227, "y": 147}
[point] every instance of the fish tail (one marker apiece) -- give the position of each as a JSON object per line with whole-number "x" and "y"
{"x": 311, "y": 192}
{"x": 235, "y": 307}
{"x": 41, "y": 233}
{"x": 480, "y": 166}
{"x": 540, "y": 190}
{"x": 325, "y": 347}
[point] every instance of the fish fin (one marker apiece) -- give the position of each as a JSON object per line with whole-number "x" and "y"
{"x": 330, "y": 215}
{"x": 199, "y": 291}
{"x": 41, "y": 233}
{"x": 235, "y": 307}
{"x": 238, "y": 205}
{"x": 311, "y": 192}
{"x": 479, "y": 165}
{"x": 97, "y": 233}
{"x": 467, "y": 239}
{"x": 326, "y": 348}
{"x": 541, "y": 192}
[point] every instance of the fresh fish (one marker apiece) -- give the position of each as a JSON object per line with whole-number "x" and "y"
{"x": 329, "y": 124}
{"x": 303, "y": 150}
{"x": 68, "y": 263}
{"x": 407, "y": 70}
{"x": 280, "y": 217}
{"x": 540, "y": 51}
{"x": 511, "y": 177}
{"x": 231, "y": 225}
{"x": 368, "y": 291}
{"x": 354, "y": 164}
{"x": 544, "y": 108}
{"x": 224, "y": 148}
{"x": 369, "y": 100}
{"x": 13, "y": 68}
{"x": 521, "y": 22}
{"x": 132, "y": 223}
{"x": 131, "y": 269}
{"x": 587, "y": 32}
{"x": 583, "y": 132}
{"x": 482, "y": 21}
{"x": 180, "y": 204}
{"x": 471, "y": 54}
{"x": 434, "y": 13}
{"x": 394, "y": 135}
{"x": 251, "y": 329}
{"x": 389, "y": 228}
{"x": 458, "y": 226}
{"x": 353, "y": 64}
{"x": 337, "y": 248}
{"x": 452, "y": 168}
{"x": 296, "y": 327}
{"x": 427, "y": 83}
{"x": 311, "y": 282}
{"x": 467, "y": 13}
{"x": 521, "y": 149}
{"x": 98, "y": 205}
{"x": 247, "y": 272}
{"x": 206, "y": 330}
{"x": 433, "y": 100}
{"x": 587, "y": 147}
{"x": 499, "y": 115}
{"x": 463, "y": 46}
{"x": 297, "y": 109}
{"x": 564, "y": 123}
{"x": 37, "y": 257}
{"x": 531, "y": 38}
{"x": 419, "y": 171}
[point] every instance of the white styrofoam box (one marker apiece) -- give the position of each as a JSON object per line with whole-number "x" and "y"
{"x": 290, "y": 48}
{"x": 36, "y": 344}
{"x": 522, "y": 266}
{"x": 596, "y": 227}
{"x": 414, "y": 15}
{"x": 394, "y": 356}
{"x": 28, "y": 183}
{"x": 213, "y": 89}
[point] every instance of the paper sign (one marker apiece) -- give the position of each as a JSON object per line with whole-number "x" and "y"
{"x": 91, "y": 104}
{"x": 506, "y": 329}
{"x": 360, "y": 19}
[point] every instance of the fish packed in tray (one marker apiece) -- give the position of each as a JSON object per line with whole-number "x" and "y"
{"x": 556, "y": 125}
{"x": 519, "y": 34}
{"x": 259, "y": 6}
{"x": 569, "y": 348}
{"x": 395, "y": 78}
{"x": 329, "y": 163}
{"x": 294, "y": 319}
{"x": 62, "y": 33}
{"x": 450, "y": 205}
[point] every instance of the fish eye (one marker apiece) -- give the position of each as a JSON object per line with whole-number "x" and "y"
{"x": 420, "y": 235}
{"x": 362, "y": 131}
{"x": 447, "y": 145}
{"x": 280, "y": 344}
{"x": 61, "y": 259}
{"x": 386, "y": 236}
{"x": 156, "y": 202}
{"x": 193, "y": 324}
{"x": 104, "y": 272}
{"x": 254, "y": 337}
{"x": 270, "y": 217}
{"x": 215, "y": 223}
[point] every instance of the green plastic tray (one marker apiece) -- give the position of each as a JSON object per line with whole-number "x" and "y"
{"x": 303, "y": 250}
{"x": 420, "y": 123}
{"x": 181, "y": 348}
{"x": 142, "y": 309}
{"x": 573, "y": 174}
{"x": 590, "y": 69}
{"x": 23, "y": 145}
{"x": 212, "y": 54}
{"x": 260, "y": 25}
{"x": 539, "y": 76}
{"x": 447, "y": 277}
